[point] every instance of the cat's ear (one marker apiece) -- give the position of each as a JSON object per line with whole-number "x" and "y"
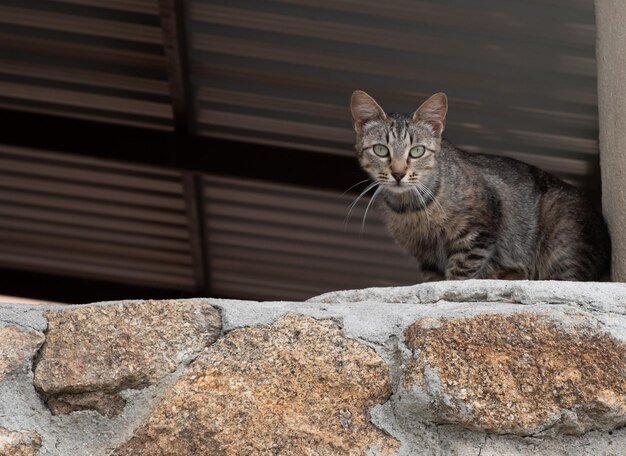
{"x": 364, "y": 109}
{"x": 433, "y": 111}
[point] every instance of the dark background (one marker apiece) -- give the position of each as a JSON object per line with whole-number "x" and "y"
{"x": 201, "y": 148}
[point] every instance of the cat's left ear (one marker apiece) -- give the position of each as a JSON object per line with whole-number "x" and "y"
{"x": 433, "y": 111}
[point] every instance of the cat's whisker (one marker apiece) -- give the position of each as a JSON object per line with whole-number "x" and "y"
{"x": 429, "y": 192}
{"x": 368, "y": 208}
{"x": 358, "y": 183}
{"x": 367, "y": 189}
{"x": 432, "y": 195}
{"x": 419, "y": 195}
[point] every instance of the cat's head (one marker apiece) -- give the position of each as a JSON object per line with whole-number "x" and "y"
{"x": 398, "y": 151}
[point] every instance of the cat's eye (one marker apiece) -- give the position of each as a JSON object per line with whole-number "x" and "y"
{"x": 417, "y": 151}
{"x": 381, "y": 150}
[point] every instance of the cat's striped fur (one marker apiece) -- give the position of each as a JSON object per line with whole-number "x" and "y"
{"x": 465, "y": 215}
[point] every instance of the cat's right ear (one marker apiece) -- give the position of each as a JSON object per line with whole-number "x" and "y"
{"x": 364, "y": 109}
{"x": 433, "y": 111}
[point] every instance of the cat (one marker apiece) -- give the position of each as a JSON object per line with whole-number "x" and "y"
{"x": 473, "y": 216}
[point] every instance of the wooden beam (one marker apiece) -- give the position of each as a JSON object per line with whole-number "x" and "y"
{"x": 175, "y": 48}
{"x": 194, "y": 206}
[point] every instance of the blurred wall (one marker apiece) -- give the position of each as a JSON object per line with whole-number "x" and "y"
{"x": 611, "y": 57}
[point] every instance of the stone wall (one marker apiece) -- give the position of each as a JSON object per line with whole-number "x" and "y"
{"x": 451, "y": 368}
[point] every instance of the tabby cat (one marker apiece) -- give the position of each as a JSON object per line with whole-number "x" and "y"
{"x": 466, "y": 215}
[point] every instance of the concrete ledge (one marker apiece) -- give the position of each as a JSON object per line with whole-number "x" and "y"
{"x": 475, "y": 367}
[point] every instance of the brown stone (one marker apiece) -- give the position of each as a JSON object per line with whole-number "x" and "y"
{"x": 22, "y": 443}
{"x": 92, "y": 352}
{"x": 293, "y": 387}
{"x": 518, "y": 373}
{"x": 108, "y": 404}
{"x": 17, "y": 347}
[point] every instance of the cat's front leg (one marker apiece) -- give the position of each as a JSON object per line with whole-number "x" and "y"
{"x": 469, "y": 257}
{"x": 429, "y": 275}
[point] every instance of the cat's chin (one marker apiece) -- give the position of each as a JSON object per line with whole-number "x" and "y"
{"x": 397, "y": 189}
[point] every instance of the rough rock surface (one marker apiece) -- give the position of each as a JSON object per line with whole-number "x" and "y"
{"x": 93, "y": 352}
{"x": 23, "y": 443}
{"x": 388, "y": 376}
{"x": 17, "y": 347}
{"x": 607, "y": 297}
{"x": 294, "y": 387}
{"x": 517, "y": 373}
{"x": 107, "y": 403}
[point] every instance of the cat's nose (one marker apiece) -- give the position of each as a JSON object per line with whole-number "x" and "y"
{"x": 397, "y": 176}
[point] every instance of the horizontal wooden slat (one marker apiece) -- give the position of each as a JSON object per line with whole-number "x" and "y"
{"x": 20, "y": 224}
{"x": 77, "y": 219}
{"x": 94, "y": 192}
{"x": 89, "y": 270}
{"x": 97, "y": 249}
{"x": 93, "y": 218}
{"x": 85, "y": 175}
{"x": 90, "y": 162}
{"x": 135, "y": 6}
{"x": 38, "y": 47}
{"x": 82, "y": 99}
{"x": 119, "y": 211}
{"x": 83, "y": 59}
{"x": 84, "y": 77}
{"x": 78, "y": 24}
